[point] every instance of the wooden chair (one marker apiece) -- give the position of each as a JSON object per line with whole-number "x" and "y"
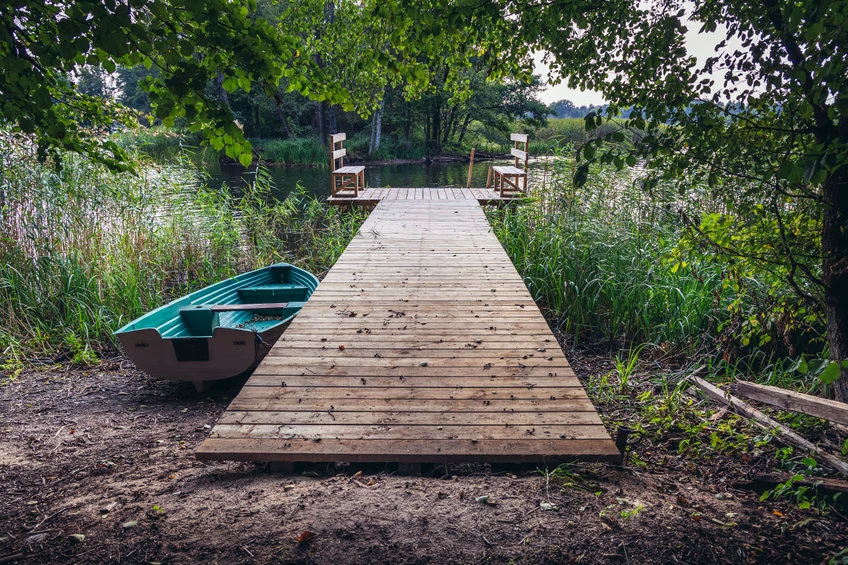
{"x": 507, "y": 178}
{"x": 347, "y": 181}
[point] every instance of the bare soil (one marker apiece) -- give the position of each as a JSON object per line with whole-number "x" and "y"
{"x": 107, "y": 453}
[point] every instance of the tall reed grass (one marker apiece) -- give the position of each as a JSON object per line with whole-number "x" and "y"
{"x": 163, "y": 145}
{"x": 565, "y": 132}
{"x": 301, "y": 151}
{"x": 603, "y": 260}
{"x": 85, "y": 250}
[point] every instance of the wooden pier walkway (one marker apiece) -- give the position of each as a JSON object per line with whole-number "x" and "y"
{"x": 372, "y": 196}
{"x": 422, "y": 344}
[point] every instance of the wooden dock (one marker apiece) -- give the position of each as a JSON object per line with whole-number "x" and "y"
{"x": 422, "y": 344}
{"x": 370, "y": 197}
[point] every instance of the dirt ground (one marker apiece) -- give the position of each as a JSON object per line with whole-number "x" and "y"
{"x": 107, "y": 453}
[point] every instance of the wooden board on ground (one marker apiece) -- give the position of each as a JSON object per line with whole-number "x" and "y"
{"x": 421, "y": 345}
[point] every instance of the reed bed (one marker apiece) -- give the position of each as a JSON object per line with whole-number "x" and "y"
{"x": 605, "y": 263}
{"x": 85, "y": 250}
{"x": 301, "y": 151}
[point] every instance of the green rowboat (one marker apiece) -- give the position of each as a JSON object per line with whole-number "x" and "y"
{"x": 221, "y": 331}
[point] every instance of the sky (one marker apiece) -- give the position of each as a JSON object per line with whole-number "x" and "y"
{"x": 699, "y": 45}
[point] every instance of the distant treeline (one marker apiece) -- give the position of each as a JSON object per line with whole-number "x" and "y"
{"x": 435, "y": 123}
{"x": 567, "y": 109}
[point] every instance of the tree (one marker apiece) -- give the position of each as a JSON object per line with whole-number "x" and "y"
{"x": 189, "y": 43}
{"x": 567, "y": 109}
{"x": 769, "y": 133}
{"x": 43, "y": 43}
{"x": 764, "y": 122}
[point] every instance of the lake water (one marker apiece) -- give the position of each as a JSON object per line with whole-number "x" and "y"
{"x": 416, "y": 175}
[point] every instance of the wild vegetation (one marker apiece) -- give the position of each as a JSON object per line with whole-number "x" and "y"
{"x": 616, "y": 265}
{"x": 85, "y": 250}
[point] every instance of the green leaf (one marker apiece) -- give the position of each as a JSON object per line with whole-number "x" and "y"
{"x": 831, "y": 373}
{"x": 581, "y": 175}
{"x": 589, "y": 121}
{"x": 230, "y": 84}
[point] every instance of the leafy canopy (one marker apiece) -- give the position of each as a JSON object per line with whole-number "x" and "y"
{"x": 44, "y": 46}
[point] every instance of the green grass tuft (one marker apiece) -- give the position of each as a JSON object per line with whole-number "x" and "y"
{"x": 85, "y": 250}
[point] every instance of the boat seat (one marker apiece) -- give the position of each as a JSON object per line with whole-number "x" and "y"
{"x": 200, "y": 319}
{"x": 274, "y": 292}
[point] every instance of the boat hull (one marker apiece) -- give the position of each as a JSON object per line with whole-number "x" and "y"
{"x": 222, "y": 331}
{"x": 228, "y": 353}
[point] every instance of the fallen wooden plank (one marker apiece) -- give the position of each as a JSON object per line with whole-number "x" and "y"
{"x": 830, "y": 410}
{"x": 820, "y": 485}
{"x": 769, "y": 424}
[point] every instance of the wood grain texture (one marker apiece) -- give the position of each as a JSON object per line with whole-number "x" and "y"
{"x": 422, "y": 344}
{"x": 831, "y": 410}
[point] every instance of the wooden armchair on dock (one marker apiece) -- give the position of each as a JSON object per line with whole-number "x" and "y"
{"x": 511, "y": 180}
{"x": 347, "y": 181}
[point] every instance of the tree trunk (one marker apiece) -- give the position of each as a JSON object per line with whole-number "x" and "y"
{"x": 378, "y": 129}
{"x": 464, "y": 127}
{"x": 331, "y": 119}
{"x": 329, "y": 17}
{"x": 427, "y": 135}
{"x": 319, "y": 116}
{"x": 371, "y": 137}
{"x": 835, "y": 267}
{"x": 435, "y": 131}
{"x": 408, "y": 127}
{"x": 220, "y": 92}
{"x": 448, "y": 126}
{"x": 278, "y": 102}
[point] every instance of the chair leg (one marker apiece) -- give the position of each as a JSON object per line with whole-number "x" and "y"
{"x": 489, "y": 178}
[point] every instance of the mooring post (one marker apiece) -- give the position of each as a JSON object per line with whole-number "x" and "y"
{"x": 470, "y": 167}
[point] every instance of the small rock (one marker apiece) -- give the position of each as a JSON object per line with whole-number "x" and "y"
{"x": 130, "y": 524}
{"x": 548, "y": 506}
{"x": 77, "y": 538}
{"x": 37, "y": 538}
{"x": 724, "y": 496}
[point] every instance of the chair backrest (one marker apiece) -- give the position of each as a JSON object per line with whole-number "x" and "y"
{"x": 337, "y": 152}
{"x": 519, "y": 149}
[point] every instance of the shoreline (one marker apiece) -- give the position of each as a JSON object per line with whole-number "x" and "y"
{"x": 439, "y": 160}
